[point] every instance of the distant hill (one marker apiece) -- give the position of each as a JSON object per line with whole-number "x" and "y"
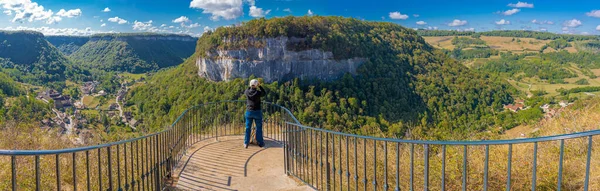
{"x": 133, "y": 52}
{"x": 28, "y": 57}
{"x": 509, "y": 33}
{"x": 403, "y": 84}
{"x": 68, "y": 44}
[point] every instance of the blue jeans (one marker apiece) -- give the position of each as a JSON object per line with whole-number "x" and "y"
{"x": 256, "y": 117}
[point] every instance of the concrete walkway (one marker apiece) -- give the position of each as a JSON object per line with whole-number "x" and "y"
{"x": 227, "y": 165}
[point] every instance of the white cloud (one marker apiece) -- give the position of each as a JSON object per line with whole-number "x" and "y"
{"x": 421, "y": 23}
{"x": 432, "y": 28}
{"x": 101, "y": 20}
{"x": 521, "y": 5}
{"x": 594, "y": 13}
{"x": 206, "y": 29}
{"x": 511, "y": 12}
{"x": 7, "y": 12}
{"x": 226, "y": 9}
{"x": 398, "y": 15}
{"x": 25, "y": 10}
{"x": 287, "y": 10}
{"x": 70, "y": 13}
{"x": 470, "y": 29}
{"x": 258, "y": 12}
{"x": 103, "y": 25}
{"x": 57, "y": 31}
{"x": 142, "y": 26}
{"x": 416, "y": 15}
{"x": 585, "y": 33}
{"x": 117, "y": 20}
{"x": 309, "y": 13}
{"x": 535, "y": 21}
{"x": 457, "y": 23}
{"x": 182, "y": 19}
{"x": 191, "y": 26}
{"x": 53, "y": 20}
{"x": 503, "y": 22}
{"x": 598, "y": 28}
{"x": 106, "y": 10}
{"x": 574, "y": 23}
{"x": 171, "y": 27}
{"x": 163, "y": 25}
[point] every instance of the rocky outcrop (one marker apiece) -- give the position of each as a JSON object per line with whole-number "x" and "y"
{"x": 273, "y": 62}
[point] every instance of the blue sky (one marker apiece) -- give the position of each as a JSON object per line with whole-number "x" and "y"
{"x": 84, "y": 17}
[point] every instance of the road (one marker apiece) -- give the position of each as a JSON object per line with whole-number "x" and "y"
{"x": 68, "y": 126}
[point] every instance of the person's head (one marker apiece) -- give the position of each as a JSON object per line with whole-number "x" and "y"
{"x": 254, "y": 83}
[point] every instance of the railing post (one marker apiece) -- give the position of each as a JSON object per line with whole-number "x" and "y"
{"x": 58, "y": 172}
{"x": 426, "y": 170}
{"x": 327, "y": 167}
{"x": 157, "y": 163}
{"x": 14, "y": 172}
{"x": 37, "y": 173}
{"x": 285, "y": 151}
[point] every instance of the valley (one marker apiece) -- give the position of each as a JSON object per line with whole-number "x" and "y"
{"x": 391, "y": 83}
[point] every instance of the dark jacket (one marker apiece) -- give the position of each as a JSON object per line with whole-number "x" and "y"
{"x": 253, "y": 95}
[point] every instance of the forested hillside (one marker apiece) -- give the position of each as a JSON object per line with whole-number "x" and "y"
{"x": 404, "y": 85}
{"x": 28, "y": 57}
{"x": 134, "y": 52}
{"x": 509, "y": 33}
{"x": 68, "y": 44}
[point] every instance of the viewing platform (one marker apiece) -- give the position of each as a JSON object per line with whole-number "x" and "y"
{"x": 227, "y": 165}
{"x": 203, "y": 150}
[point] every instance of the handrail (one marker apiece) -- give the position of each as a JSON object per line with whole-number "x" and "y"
{"x": 483, "y": 142}
{"x": 308, "y": 152}
{"x": 93, "y": 147}
{"x": 296, "y": 122}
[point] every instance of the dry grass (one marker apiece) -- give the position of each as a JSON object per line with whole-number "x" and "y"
{"x": 570, "y": 121}
{"x": 444, "y": 42}
{"x": 507, "y": 43}
{"x": 498, "y": 43}
{"x": 90, "y": 101}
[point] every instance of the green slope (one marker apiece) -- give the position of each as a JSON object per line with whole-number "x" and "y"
{"x": 135, "y": 53}
{"x": 28, "y": 57}
{"x": 405, "y": 84}
{"x": 68, "y": 44}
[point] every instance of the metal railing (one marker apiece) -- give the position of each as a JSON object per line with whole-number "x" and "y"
{"x": 329, "y": 160}
{"x": 143, "y": 163}
{"x": 323, "y": 159}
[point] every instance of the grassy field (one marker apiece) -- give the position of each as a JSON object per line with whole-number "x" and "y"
{"x": 498, "y": 43}
{"x": 444, "y": 42}
{"x": 132, "y": 77}
{"x": 90, "y": 101}
{"x": 70, "y": 83}
{"x": 106, "y": 105}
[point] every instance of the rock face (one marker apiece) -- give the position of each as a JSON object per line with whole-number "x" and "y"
{"x": 273, "y": 62}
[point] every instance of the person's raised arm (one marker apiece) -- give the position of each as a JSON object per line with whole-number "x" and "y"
{"x": 262, "y": 91}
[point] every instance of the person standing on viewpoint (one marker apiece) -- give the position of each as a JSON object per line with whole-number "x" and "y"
{"x": 254, "y": 112}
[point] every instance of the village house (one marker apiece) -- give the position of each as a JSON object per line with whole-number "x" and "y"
{"x": 545, "y": 108}
{"x": 564, "y": 103}
{"x": 60, "y": 101}
{"x": 113, "y": 106}
{"x": 514, "y": 107}
{"x": 88, "y": 87}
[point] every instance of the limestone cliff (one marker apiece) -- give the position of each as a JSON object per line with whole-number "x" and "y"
{"x": 273, "y": 62}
